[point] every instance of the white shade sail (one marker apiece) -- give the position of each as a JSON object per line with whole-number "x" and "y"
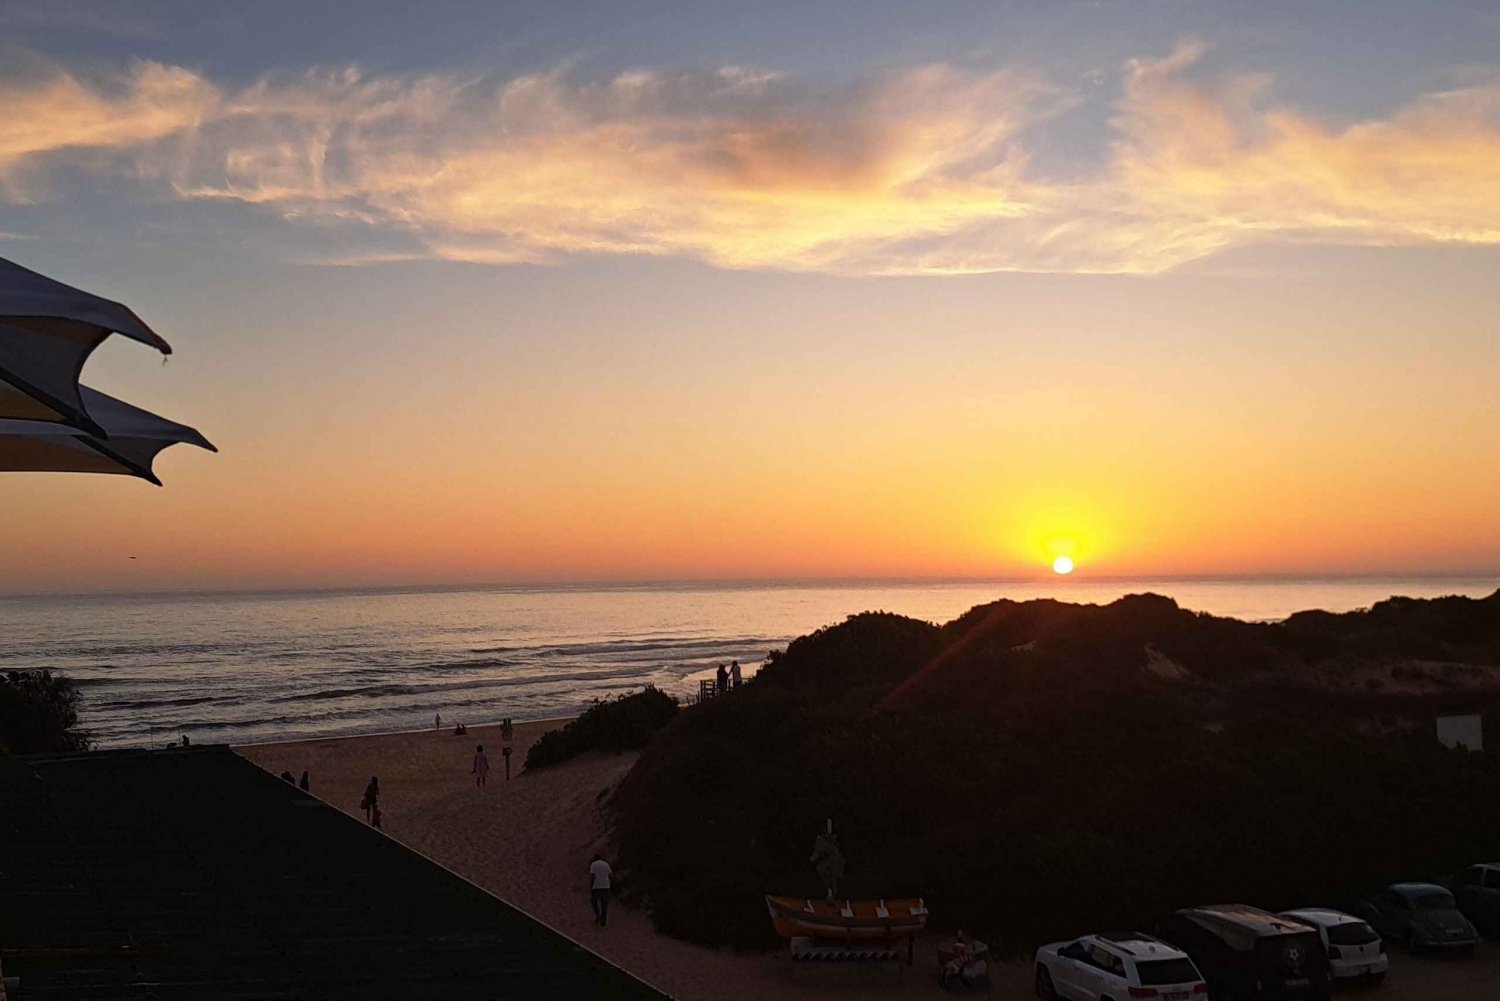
{"x": 47, "y": 332}
{"x": 134, "y": 439}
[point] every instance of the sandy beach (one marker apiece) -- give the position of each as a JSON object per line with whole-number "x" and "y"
{"x": 529, "y": 841}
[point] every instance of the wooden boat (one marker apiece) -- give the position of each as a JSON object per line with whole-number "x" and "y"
{"x": 861, "y": 920}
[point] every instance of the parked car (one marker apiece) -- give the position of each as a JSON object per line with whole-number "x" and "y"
{"x": 1477, "y": 891}
{"x": 1419, "y": 916}
{"x": 1247, "y": 954}
{"x": 1355, "y": 950}
{"x": 1117, "y": 967}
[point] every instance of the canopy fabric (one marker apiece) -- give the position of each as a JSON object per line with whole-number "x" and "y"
{"x": 47, "y": 332}
{"x": 135, "y": 437}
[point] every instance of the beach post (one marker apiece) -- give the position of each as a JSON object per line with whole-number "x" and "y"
{"x": 506, "y": 752}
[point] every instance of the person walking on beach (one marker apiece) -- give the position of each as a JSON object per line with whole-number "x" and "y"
{"x": 734, "y": 674}
{"x": 304, "y": 785}
{"x": 599, "y": 875}
{"x": 437, "y": 721}
{"x": 721, "y": 680}
{"x": 370, "y": 803}
{"x": 481, "y": 765}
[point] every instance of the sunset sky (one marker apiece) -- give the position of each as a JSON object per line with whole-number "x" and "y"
{"x": 581, "y": 291}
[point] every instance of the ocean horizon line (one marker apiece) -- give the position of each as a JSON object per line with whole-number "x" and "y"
{"x": 752, "y": 583}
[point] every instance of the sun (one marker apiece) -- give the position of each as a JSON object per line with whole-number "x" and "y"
{"x": 1063, "y": 565}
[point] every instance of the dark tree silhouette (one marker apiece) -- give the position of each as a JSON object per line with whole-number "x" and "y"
{"x": 39, "y": 713}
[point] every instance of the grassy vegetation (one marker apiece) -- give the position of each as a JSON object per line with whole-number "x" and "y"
{"x": 624, "y": 723}
{"x": 1022, "y": 770}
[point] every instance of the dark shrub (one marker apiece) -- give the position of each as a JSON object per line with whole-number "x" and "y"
{"x": 624, "y": 723}
{"x": 1023, "y": 771}
{"x": 39, "y": 712}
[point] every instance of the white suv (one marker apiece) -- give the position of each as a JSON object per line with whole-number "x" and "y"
{"x": 1355, "y": 950}
{"x": 1116, "y": 967}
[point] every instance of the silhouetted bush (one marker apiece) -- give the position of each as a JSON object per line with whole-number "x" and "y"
{"x": 1023, "y": 770}
{"x": 38, "y": 713}
{"x": 624, "y": 723}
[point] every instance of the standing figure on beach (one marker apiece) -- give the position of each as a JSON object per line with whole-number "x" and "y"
{"x": 304, "y": 785}
{"x": 372, "y": 797}
{"x": 599, "y": 875}
{"x": 734, "y": 674}
{"x": 437, "y": 721}
{"x": 721, "y": 680}
{"x": 481, "y": 765}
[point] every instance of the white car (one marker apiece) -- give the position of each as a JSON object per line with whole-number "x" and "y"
{"x": 1355, "y": 951}
{"x": 1116, "y": 967}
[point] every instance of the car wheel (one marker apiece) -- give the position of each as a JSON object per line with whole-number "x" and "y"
{"x": 1044, "y": 988}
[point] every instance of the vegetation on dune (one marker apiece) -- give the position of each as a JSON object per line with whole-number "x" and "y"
{"x": 1026, "y": 771}
{"x": 39, "y": 713}
{"x": 624, "y": 723}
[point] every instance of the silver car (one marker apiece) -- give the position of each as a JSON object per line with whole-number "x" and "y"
{"x": 1355, "y": 950}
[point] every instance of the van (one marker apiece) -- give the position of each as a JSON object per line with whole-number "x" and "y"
{"x": 1247, "y": 954}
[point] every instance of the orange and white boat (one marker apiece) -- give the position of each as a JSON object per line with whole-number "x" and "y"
{"x": 857, "y": 920}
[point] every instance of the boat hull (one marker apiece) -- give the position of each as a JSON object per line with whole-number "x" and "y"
{"x": 847, "y": 920}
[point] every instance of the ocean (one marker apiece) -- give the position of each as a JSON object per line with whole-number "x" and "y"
{"x": 246, "y": 668}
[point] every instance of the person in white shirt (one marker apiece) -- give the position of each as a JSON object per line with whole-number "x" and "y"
{"x": 599, "y": 873}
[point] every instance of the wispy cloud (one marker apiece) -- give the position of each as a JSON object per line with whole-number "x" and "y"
{"x": 922, "y": 172}
{"x": 61, "y": 113}
{"x": 1218, "y": 165}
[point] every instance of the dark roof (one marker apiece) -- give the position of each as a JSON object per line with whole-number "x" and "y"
{"x": 1240, "y": 924}
{"x": 194, "y": 874}
{"x": 1416, "y": 889}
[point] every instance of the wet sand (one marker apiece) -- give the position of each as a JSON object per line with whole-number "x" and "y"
{"x": 529, "y": 841}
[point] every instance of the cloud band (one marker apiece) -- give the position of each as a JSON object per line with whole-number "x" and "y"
{"x": 925, "y": 172}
